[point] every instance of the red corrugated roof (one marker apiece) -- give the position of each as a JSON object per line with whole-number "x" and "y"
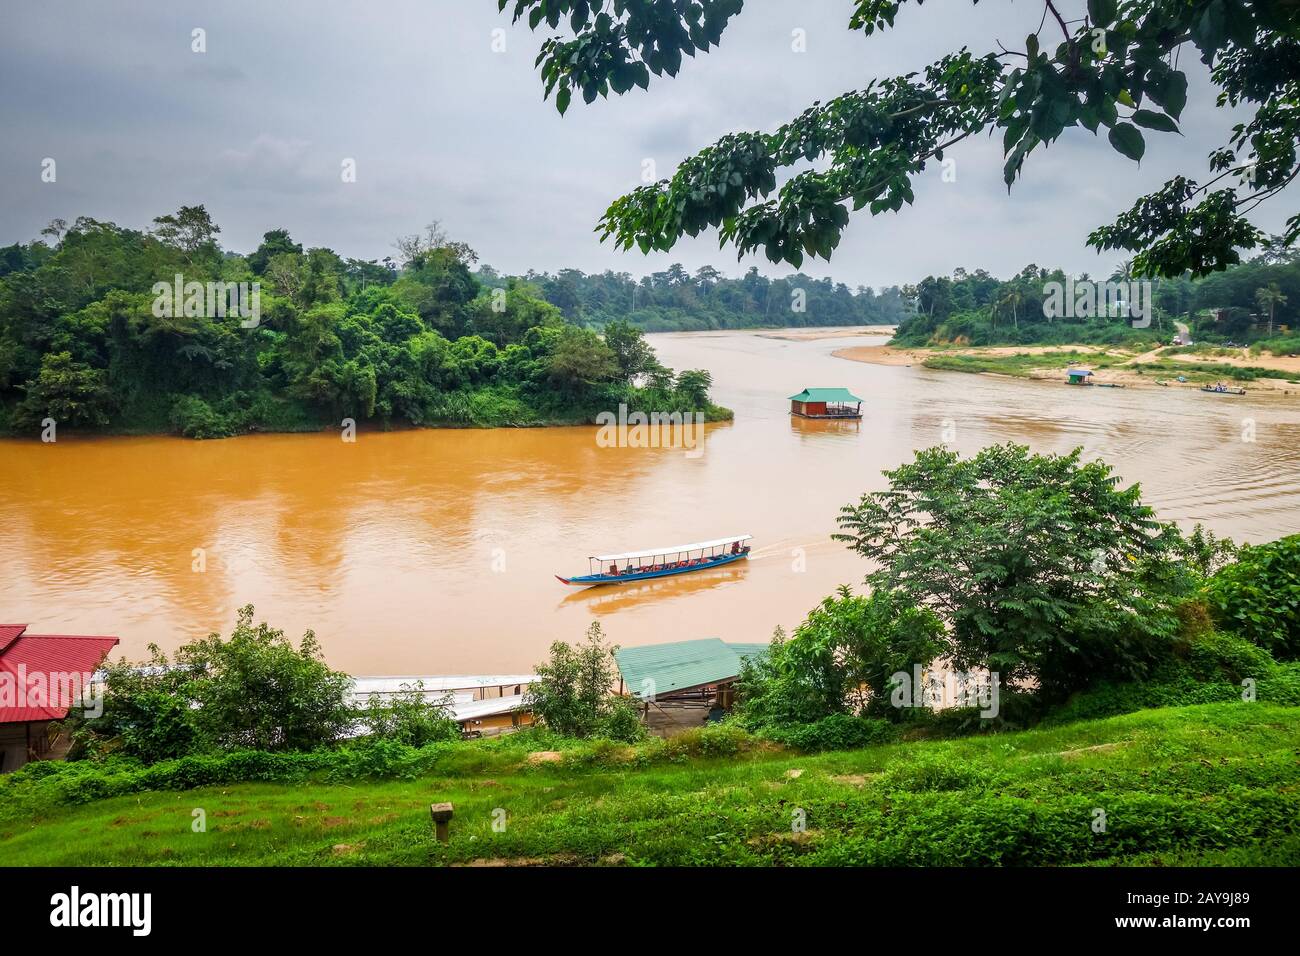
{"x": 8, "y": 632}
{"x": 27, "y": 661}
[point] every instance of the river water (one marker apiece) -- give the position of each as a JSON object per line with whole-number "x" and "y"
{"x": 434, "y": 551}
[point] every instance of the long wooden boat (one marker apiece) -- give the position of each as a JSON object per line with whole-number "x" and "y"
{"x": 661, "y": 562}
{"x": 1222, "y": 391}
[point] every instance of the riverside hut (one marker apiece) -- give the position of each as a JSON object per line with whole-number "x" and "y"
{"x": 42, "y": 678}
{"x": 697, "y": 675}
{"x": 826, "y": 403}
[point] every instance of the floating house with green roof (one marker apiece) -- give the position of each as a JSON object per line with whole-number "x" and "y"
{"x": 826, "y": 403}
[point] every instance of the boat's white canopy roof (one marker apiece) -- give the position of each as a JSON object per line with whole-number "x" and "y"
{"x": 437, "y": 683}
{"x": 462, "y": 710}
{"x": 674, "y": 549}
{"x": 487, "y": 708}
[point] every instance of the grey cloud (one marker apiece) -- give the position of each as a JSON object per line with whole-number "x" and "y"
{"x": 443, "y": 127}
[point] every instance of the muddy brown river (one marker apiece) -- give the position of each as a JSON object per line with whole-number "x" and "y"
{"x": 435, "y": 551}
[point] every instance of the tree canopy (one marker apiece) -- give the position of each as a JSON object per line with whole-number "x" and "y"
{"x": 675, "y": 300}
{"x": 1039, "y": 565}
{"x": 1249, "y": 303}
{"x": 1114, "y": 68}
{"x": 83, "y": 340}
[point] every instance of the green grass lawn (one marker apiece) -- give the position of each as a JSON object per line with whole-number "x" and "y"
{"x": 1204, "y": 785}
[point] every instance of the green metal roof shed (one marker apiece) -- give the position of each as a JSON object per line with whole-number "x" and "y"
{"x": 825, "y": 395}
{"x": 681, "y": 665}
{"x": 746, "y": 651}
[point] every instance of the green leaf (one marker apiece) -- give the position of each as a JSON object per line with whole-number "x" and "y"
{"x": 1102, "y": 12}
{"x": 562, "y": 99}
{"x": 1156, "y": 121}
{"x": 1012, "y": 166}
{"x": 1015, "y": 129}
{"x": 1088, "y": 118}
{"x": 1127, "y": 139}
{"x": 1175, "y": 94}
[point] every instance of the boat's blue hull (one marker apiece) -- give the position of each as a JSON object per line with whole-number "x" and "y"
{"x": 594, "y": 579}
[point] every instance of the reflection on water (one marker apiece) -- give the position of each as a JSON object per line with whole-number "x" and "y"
{"x": 433, "y": 551}
{"x": 814, "y": 429}
{"x": 605, "y": 599}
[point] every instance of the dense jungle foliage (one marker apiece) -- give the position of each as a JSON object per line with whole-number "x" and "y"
{"x": 92, "y": 337}
{"x": 1254, "y": 303}
{"x": 675, "y": 300}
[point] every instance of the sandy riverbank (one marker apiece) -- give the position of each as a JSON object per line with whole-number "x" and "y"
{"x": 1124, "y": 368}
{"x": 828, "y": 332}
{"x": 892, "y": 355}
{"x": 1130, "y": 377}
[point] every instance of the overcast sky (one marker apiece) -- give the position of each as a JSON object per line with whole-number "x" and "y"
{"x": 441, "y": 126}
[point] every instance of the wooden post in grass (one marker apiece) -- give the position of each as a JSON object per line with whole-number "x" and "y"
{"x": 441, "y": 813}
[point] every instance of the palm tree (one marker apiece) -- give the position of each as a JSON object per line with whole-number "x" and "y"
{"x": 694, "y": 385}
{"x": 1124, "y": 273}
{"x": 1012, "y": 297}
{"x": 1269, "y": 298}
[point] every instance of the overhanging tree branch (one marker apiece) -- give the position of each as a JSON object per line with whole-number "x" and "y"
{"x": 877, "y": 140}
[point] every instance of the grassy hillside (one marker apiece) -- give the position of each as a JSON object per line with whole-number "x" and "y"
{"x": 1205, "y": 785}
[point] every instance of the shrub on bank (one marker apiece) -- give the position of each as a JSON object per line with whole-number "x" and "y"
{"x": 1016, "y": 710}
{"x": 1216, "y": 657}
{"x": 43, "y": 785}
{"x": 714, "y": 740}
{"x": 192, "y": 417}
{"x": 255, "y": 691}
{"x": 1259, "y": 596}
{"x": 407, "y": 717}
{"x": 571, "y": 693}
{"x": 1282, "y": 345}
{"x": 1177, "y": 686}
{"x": 836, "y": 732}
